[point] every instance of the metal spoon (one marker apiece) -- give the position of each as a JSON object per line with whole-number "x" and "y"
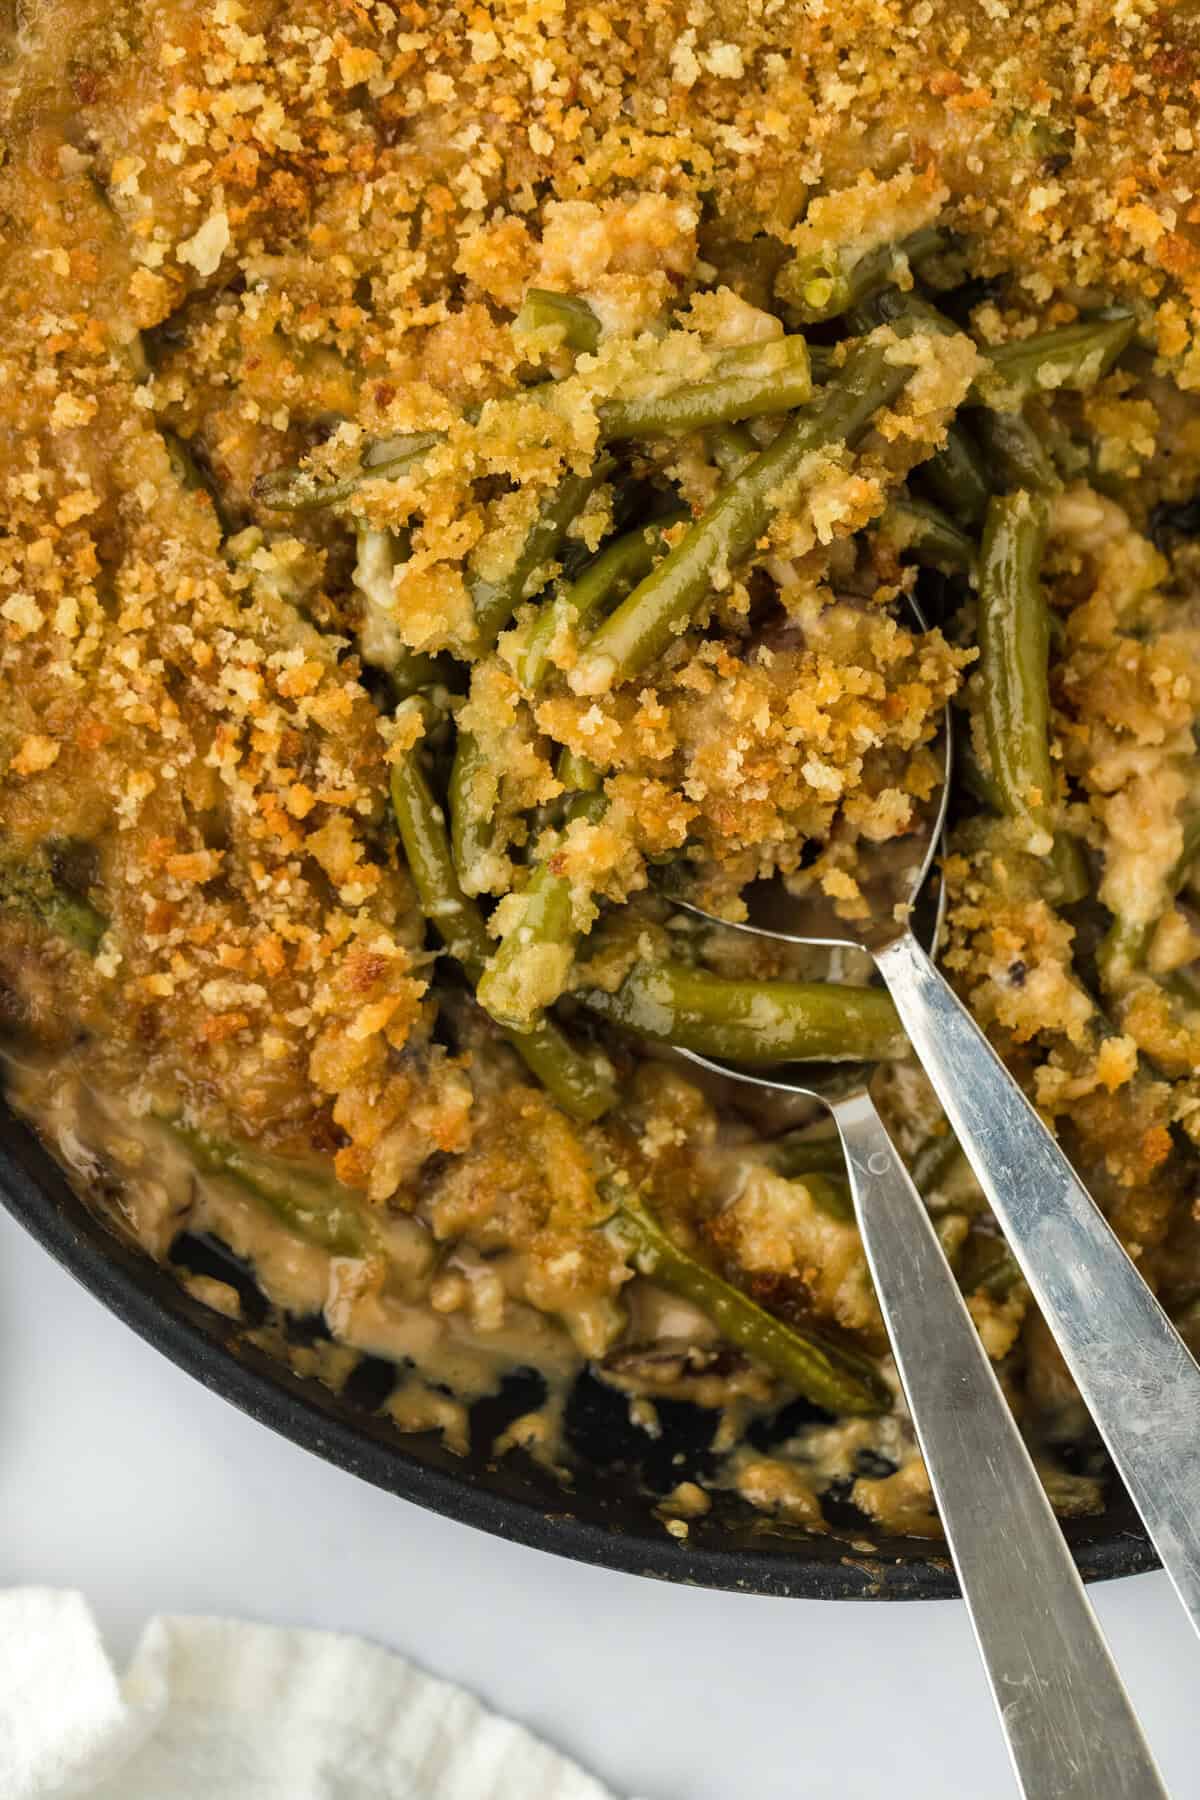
{"x": 1136, "y": 1376}
{"x": 1068, "y": 1722}
{"x": 1070, "y": 1728}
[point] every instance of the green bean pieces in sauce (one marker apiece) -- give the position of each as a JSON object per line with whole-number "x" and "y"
{"x": 974, "y": 508}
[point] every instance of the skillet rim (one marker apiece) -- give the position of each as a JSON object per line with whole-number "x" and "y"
{"x": 590, "y": 1528}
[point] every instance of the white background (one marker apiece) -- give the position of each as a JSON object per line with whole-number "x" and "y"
{"x": 122, "y": 1476}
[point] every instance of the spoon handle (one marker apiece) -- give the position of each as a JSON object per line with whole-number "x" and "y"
{"x": 1071, "y": 1730}
{"x": 1136, "y": 1375}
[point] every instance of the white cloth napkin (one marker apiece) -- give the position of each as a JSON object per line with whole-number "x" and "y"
{"x": 212, "y": 1709}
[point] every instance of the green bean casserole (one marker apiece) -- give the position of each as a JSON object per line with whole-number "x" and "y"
{"x": 465, "y": 471}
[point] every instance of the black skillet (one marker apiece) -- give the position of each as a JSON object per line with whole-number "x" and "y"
{"x": 607, "y": 1517}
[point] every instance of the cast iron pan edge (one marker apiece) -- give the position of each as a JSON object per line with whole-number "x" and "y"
{"x": 512, "y": 1499}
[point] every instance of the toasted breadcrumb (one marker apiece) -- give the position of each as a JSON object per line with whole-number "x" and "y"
{"x": 243, "y": 235}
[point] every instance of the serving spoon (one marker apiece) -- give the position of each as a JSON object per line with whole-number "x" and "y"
{"x": 1136, "y": 1376}
{"x": 1068, "y": 1722}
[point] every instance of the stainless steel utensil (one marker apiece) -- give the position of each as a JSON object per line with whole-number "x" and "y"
{"x": 1133, "y": 1370}
{"x": 1069, "y": 1725}
{"x": 1068, "y": 1722}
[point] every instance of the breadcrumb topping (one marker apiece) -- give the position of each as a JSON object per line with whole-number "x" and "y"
{"x": 246, "y": 235}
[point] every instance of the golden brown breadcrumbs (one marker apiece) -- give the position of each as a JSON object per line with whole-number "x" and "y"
{"x": 274, "y": 232}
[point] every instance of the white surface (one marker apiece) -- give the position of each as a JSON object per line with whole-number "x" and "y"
{"x": 122, "y": 1476}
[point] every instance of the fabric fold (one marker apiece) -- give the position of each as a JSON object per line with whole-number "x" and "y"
{"x": 248, "y": 1712}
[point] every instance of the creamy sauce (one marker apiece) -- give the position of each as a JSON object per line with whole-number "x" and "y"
{"x": 390, "y": 1305}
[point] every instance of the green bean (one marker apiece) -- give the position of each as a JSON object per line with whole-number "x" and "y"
{"x": 731, "y": 448}
{"x": 577, "y": 774}
{"x": 605, "y": 580}
{"x": 533, "y": 959}
{"x": 1071, "y": 356}
{"x": 529, "y": 968}
{"x": 752, "y": 1021}
{"x": 314, "y": 1205}
{"x": 901, "y": 309}
{"x": 574, "y": 318}
{"x": 299, "y": 490}
{"x": 749, "y": 383}
{"x": 495, "y": 602}
{"x": 583, "y": 1088}
{"x": 1014, "y": 644}
{"x": 1188, "y": 854}
{"x": 956, "y": 478}
{"x": 70, "y": 917}
{"x": 988, "y": 1263}
{"x": 934, "y": 1161}
{"x": 978, "y": 781}
{"x": 830, "y": 1194}
{"x": 33, "y": 885}
{"x": 1015, "y": 454}
{"x": 415, "y": 672}
{"x": 932, "y": 538}
{"x": 422, "y": 826}
{"x": 666, "y": 601}
{"x": 1123, "y": 948}
{"x": 840, "y": 1379}
{"x": 473, "y": 795}
{"x": 829, "y": 282}
{"x": 799, "y": 1153}
{"x": 821, "y": 1169}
